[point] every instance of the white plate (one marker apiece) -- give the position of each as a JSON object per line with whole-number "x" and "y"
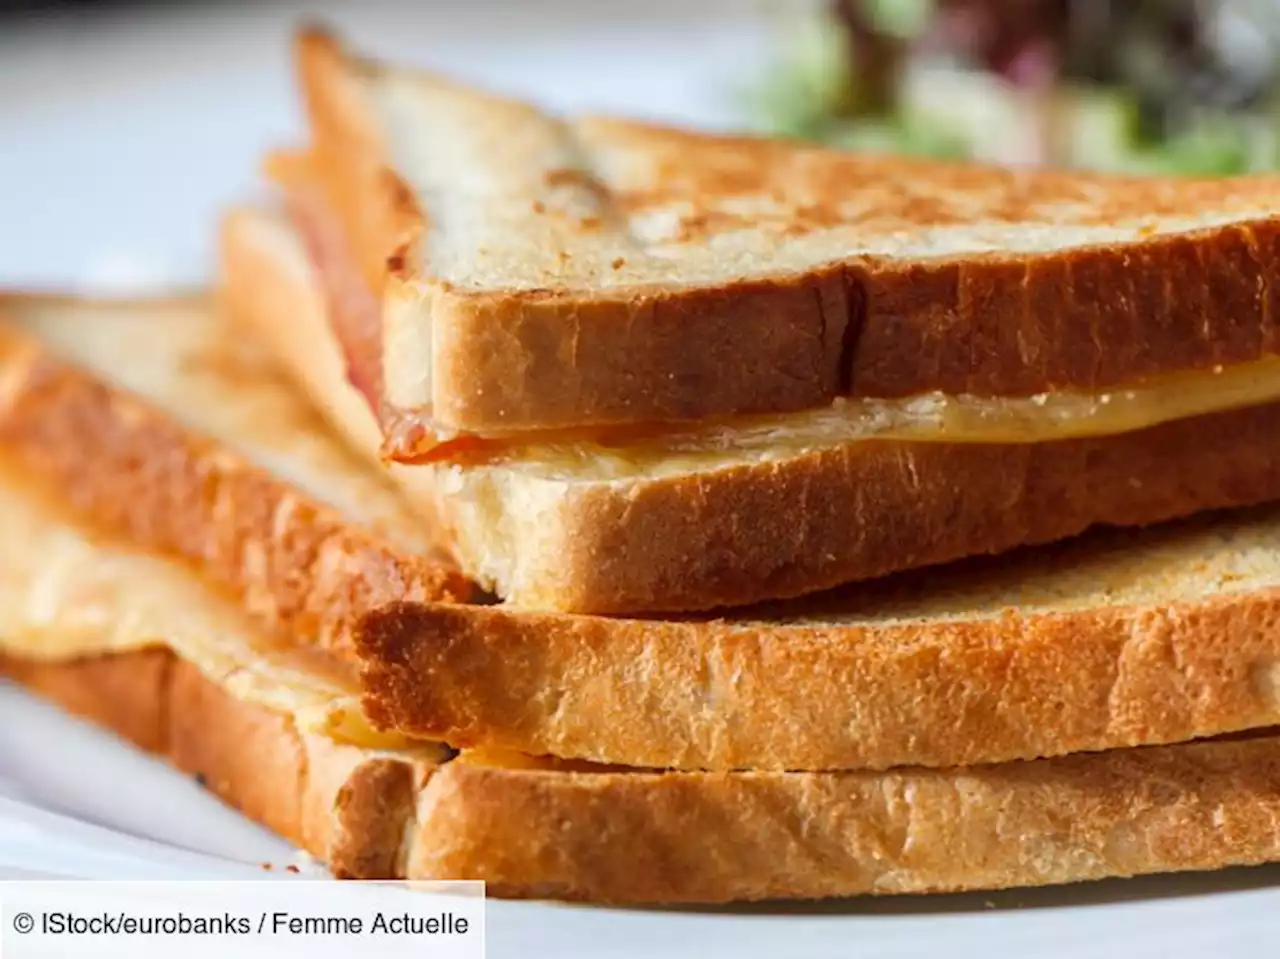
{"x": 120, "y": 140}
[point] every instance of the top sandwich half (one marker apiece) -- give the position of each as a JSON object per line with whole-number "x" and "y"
{"x": 500, "y": 276}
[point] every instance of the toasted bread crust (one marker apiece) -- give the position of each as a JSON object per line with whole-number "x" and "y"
{"x": 126, "y": 693}
{"x": 346, "y": 806}
{"x": 693, "y": 837}
{"x": 786, "y": 527}
{"x": 1088, "y": 318}
{"x": 514, "y": 361}
{"x": 708, "y": 837}
{"x": 720, "y": 695}
{"x": 298, "y": 565}
{"x": 988, "y": 324}
{"x": 867, "y": 509}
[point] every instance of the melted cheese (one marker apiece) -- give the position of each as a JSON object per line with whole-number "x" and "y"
{"x": 932, "y": 417}
{"x": 63, "y": 597}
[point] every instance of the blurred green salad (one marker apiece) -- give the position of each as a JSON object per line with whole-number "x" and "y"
{"x": 1133, "y": 85}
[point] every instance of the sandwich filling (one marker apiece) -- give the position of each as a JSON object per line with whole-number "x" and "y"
{"x": 355, "y": 318}
{"x": 65, "y": 596}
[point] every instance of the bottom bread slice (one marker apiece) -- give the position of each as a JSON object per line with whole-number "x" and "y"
{"x": 538, "y": 828}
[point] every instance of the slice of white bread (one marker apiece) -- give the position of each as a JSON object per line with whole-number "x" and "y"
{"x": 1113, "y": 640}
{"x": 541, "y": 272}
{"x": 151, "y": 422}
{"x": 1123, "y": 640}
{"x": 532, "y": 830}
{"x": 600, "y": 533}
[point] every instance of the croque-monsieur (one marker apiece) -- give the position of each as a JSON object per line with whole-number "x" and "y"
{"x": 202, "y": 583}
{"x": 598, "y": 367}
{"x": 628, "y": 369}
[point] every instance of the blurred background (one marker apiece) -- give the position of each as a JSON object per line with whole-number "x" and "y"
{"x": 126, "y": 126}
{"x": 1170, "y": 86}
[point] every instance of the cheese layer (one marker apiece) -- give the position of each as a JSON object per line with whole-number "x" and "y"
{"x": 64, "y": 596}
{"x": 932, "y": 417}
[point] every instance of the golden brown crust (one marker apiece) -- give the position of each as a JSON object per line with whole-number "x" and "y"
{"x": 524, "y": 361}
{"x": 724, "y": 695}
{"x": 346, "y": 806}
{"x": 716, "y": 837}
{"x": 1084, "y": 318}
{"x": 789, "y": 526}
{"x": 127, "y": 694}
{"x": 693, "y": 837}
{"x": 989, "y": 324}
{"x": 867, "y": 509}
{"x": 986, "y": 325}
{"x": 300, "y": 566}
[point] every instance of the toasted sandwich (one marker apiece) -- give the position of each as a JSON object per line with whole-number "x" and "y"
{"x": 168, "y": 430}
{"x": 234, "y": 671}
{"x": 628, "y": 369}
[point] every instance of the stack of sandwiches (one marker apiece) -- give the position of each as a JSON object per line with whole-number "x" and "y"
{"x": 612, "y": 512}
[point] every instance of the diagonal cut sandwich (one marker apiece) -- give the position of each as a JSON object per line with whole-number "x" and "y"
{"x": 229, "y": 631}
{"x": 204, "y": 453}
{"x": 594, "y": 366}
{"x": 626, "y": 369}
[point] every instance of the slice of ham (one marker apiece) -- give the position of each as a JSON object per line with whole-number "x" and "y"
{"x": 355, "y": 316}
